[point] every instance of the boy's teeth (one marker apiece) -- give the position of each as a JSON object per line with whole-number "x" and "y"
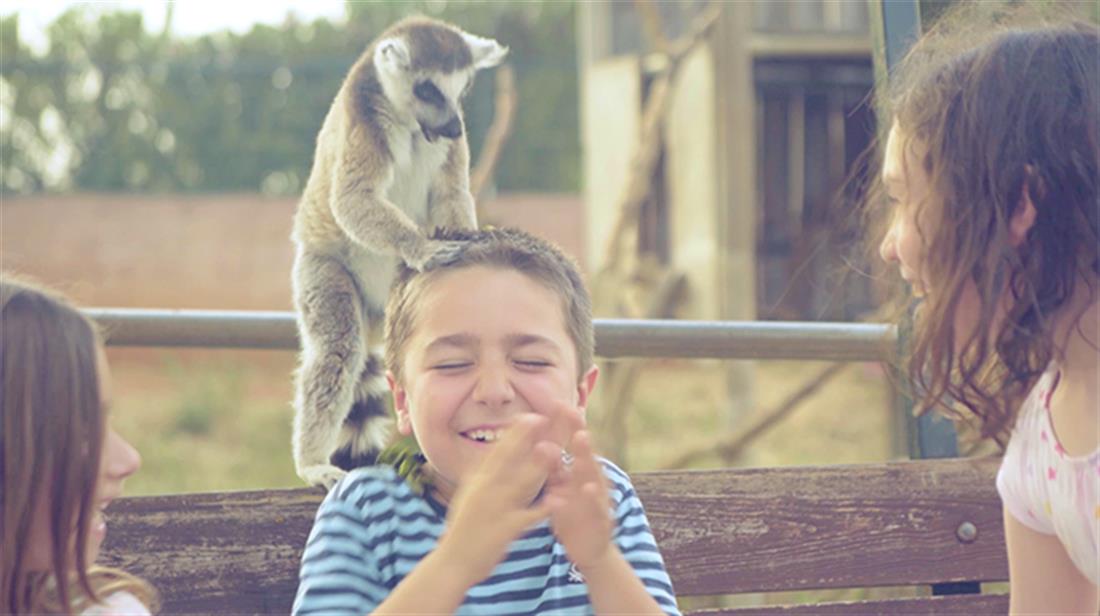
{"x": 484, "y": 436}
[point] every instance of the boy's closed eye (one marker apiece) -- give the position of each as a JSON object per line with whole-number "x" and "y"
{"x": 525, "y": 364}
{"x": 451, "y": 365}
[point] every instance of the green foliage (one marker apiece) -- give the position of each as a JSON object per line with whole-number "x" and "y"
{"x": 205, "y": 397}
{"x": 113, "y": 106}
{"x": 406, "y": 458}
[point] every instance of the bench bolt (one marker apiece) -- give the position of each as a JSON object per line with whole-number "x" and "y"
{"x": 967, "y": 532}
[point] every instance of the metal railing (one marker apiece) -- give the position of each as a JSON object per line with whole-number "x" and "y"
{"x": 614, "y": 337}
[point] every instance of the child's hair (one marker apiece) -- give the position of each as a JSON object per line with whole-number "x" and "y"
{"x": 509, "y": 249}
{"x": 51, "y": 433}
{"x": 999, "y": 108}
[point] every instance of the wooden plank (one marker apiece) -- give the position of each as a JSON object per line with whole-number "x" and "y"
{"x": 949, "y": 605}
{"x": 232, "y": 552}
{"x": 753, "y": 530}
{"x": 724, "y": 531}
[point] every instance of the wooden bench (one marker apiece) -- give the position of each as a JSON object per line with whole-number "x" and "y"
{"x": 721, "y": 532}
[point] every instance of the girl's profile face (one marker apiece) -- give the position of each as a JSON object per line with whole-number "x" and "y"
{"x": 908, "y": 192}
{"x": 118, "y": 461}
{"x": 916, "y": 218}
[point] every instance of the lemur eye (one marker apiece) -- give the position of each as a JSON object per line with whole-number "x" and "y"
{"x": 428, "y": 93}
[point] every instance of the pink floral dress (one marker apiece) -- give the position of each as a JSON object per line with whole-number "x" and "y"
{"x": 1048, "y": 490}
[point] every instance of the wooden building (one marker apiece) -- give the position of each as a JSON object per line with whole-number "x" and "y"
{"x": 766, "y": 119}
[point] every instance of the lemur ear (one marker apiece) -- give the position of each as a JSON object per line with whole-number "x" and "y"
{"x": 393, "y": 54}
{"x": 486, "y": 52}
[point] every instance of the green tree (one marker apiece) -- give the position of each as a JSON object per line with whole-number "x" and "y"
{"x": 111, "y": 106}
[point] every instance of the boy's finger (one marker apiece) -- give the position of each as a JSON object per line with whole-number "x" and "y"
{"x": 560, "y": 473}
{"x": 565, "y": 417}
{"x": 565, "y": 420}
{"x": 524, "y": 479}
{"x": 531, "y": 516}
{"x": 585, "y": 465}
{"x": 517, "y": 441}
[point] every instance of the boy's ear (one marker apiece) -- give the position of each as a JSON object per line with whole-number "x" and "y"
{"x": 1024, "y": 217}
{"x": 585, "y": 387}
{"x": 400, "y": 405}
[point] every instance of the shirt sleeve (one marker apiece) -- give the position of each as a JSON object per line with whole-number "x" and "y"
{"x": 339, "y": 574}
{"x": 635, "y": 540}
{"x": 118, "y": 604}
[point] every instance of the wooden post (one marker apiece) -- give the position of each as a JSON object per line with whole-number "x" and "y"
{"x": 735, "y": 216}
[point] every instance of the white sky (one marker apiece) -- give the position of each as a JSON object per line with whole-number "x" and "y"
{"x": 191, "y": 17}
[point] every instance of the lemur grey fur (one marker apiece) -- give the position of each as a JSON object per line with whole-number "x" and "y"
{"x": 391, "y": 164}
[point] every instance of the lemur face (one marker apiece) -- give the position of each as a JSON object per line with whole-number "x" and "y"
{"x": 437, "y": 103}
{"x": 427, "y": 67}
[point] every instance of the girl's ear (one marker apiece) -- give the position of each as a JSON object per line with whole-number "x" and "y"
{"x": 1023, "y": 218}
{"x": 400, "y": 404}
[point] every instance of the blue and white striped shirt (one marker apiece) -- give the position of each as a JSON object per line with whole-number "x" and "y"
{"x": 372, "y": 529}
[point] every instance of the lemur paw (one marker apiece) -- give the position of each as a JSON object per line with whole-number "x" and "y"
{"x": 437, "y": 253}
{"x": 322, "y": 475}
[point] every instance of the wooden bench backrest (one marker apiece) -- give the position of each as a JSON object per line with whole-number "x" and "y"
{"x": 721, "y": 532}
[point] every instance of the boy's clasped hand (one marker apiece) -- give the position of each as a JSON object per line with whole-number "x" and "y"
{"x": 523, "y": 480}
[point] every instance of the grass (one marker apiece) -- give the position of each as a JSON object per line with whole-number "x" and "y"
{"x": 220, "y": 420}
{"x": 205, "y": 421}
{"x": 680, "y": 406}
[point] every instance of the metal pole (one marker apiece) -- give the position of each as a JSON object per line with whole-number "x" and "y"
{"x": 614, "y": 337}
{"x": 896, "y": 26}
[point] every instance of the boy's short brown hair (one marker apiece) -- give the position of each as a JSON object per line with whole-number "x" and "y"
{"x": 508, "y": 249}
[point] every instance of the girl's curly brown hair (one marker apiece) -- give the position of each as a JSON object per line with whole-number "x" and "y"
{"x": 1002, "y": 101}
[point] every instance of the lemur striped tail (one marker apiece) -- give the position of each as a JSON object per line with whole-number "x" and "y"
{"x": 369, "y": 424}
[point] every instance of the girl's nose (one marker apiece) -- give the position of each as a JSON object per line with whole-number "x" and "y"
{"x": 888, "y": 249}
{"x": 121, "y": 459}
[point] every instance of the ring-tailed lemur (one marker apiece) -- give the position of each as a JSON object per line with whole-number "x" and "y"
{"x": 391, "y": 164}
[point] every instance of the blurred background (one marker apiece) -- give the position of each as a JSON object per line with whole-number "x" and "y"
{"x": 152, "y": 155}
{"x": 697, "y": 164}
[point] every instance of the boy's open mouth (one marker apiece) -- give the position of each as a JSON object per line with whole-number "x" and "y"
{"x": 482, "y": 436}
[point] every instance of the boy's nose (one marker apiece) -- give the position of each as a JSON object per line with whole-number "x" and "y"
{"x": 494, "y": 388}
